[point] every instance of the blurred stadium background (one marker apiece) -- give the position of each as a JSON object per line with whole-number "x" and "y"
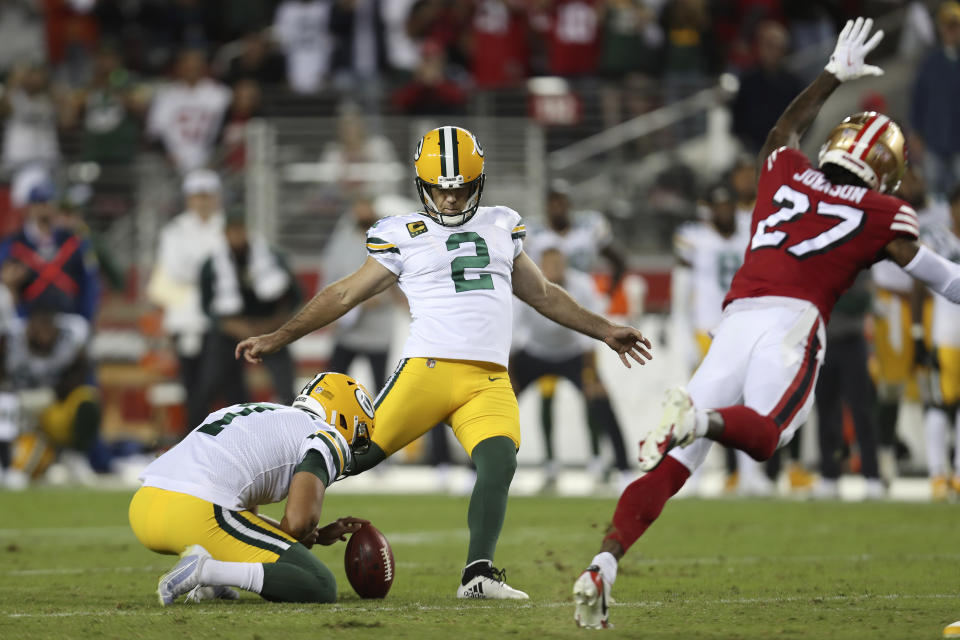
{"x": 302, "y": 108}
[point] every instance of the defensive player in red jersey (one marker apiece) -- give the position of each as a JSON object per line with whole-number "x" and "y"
{"x": 813, "y": 230}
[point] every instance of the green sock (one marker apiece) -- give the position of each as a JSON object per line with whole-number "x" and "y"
{"x": 546, "y": 422}
{"x": 298, "y": 576}
{"x": 496, "y": 461}
{"x": 367, "y": 460}
{"x": 594, "y": 426}
{"x": 86, "y": 426}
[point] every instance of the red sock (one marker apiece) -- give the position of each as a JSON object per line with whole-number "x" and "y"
{"x": 643, "y": 500}
{"x": 747, "y": 430}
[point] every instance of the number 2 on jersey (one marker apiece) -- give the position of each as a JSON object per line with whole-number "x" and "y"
{"x": 792, "y": 204}
{"x": 477, "y": 261}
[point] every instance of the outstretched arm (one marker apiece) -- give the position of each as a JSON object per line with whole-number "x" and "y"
{"x": 325, "y": 307}
{"x": 927, "y": 266}
{"x": 553, "y": 302}
{"x": 846, "y": 63}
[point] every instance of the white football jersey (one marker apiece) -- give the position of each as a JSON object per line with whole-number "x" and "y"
{"x": 188, "y": 119}
{"x": 714, "y": 259}
{"x": 946, "y": 315}
{"x": 581, "y": 243}
{"x": 244, "y": 455}
{"x": 458, "y": 281}
{"x": 545, "y": 339}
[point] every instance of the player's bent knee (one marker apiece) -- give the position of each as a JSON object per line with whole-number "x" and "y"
{"x": 298, "y": 576}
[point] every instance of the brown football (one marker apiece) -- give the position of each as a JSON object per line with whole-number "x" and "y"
{"x": 369, "y": 562}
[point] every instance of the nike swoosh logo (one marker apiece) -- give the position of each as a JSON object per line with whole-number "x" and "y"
{"x": 492, "y": 379}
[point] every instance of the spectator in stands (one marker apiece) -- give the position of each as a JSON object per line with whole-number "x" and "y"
{"x": 70, "y": 216}
{"x": 359, "y": 54}
{"x": 365, "y": 331}
{"x": 186, "y": 115}
{"x": 499, "y": 55}
{"x": 48, "y": 351}
{"x": 72, "y": 38}
{"x": 442, "y": 24}
{"x": 186, "y": 242}
{"x": 933, "y": 113}
{"x": 246, "y": 289}
{"x": 812, "y": 26}
{"x": 21, "y": 33}
{"x": 233, "y": 138}
{"x": 844, "y": 380}
{"x": 111, "y": 105}
{"x": 919, "y": 33}
{"x": 33, "y": 110}
{"x": 176, "y": 24}
{"x": 257, "y": 61}
{"x": 572, "y": 30}
{"x": 362, "y": 162}
{"x": 302, "y": 29}
{"x": 403, "y": 52}
{"x": 766, "y": 90}
{"x": 689, "y": 53}
{"x": 58, "y": 266}
{"x": 629, "y": 58}
{"x": 430, "y": 91}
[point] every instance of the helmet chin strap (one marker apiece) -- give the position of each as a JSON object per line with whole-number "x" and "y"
{"x": 450, "y": 219}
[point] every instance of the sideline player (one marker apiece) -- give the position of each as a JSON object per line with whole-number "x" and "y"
{"x": 900, "y": 345}
{"x": 945, "y": 383}
{"x": 459, "y": 265}
{"x": 584, "y": 238}
{"x": 814, "y": 230}
{"x": 708, "y": 253}
{"x": 200, "y": 499}
{"x": 549, "y": 349}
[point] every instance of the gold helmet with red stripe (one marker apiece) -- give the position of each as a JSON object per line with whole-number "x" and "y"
{"x": 343, "y": 403}
{"x": 869, "y": 145}
{"x": 449, "y": 158}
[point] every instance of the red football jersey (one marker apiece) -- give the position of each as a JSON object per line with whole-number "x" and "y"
{"x": 574, "y": 46}
{"x": 810, "y": 238}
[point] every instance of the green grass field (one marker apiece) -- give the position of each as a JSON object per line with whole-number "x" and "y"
{"x": 71, "y": 568}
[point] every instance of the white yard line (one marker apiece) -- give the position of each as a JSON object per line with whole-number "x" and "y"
{"x": 681, "y": 561}
{"x": 228, "y": 610}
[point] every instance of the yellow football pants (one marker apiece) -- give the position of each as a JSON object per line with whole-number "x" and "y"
{"x": 474, "y": 398}
{"x": 892, "y": 340}
{"x": 169, "y": 522}
{"x": 56, "y": 421}
{"x": 703, "y": 343}
{"x": 948, "y": 370}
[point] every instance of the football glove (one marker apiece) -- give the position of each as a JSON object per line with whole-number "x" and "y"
{"x": 848, "y": 59}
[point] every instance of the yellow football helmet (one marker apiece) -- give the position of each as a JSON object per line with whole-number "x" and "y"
{"x": 343, "y": 403}
{"x": 449, "y": 158}
{"x": 871, "y": 146}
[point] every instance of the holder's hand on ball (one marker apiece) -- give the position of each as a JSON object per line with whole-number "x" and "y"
{"x": 338, "y": 530}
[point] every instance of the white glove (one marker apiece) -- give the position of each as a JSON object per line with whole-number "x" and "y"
{"x": 847, "y": 61}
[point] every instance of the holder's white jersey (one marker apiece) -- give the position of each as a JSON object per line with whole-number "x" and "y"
{"x": 581, "y": 243}
{"x": 244, "y": 455}
{"x": 946, "y": 315}
{"x": 713, "y": 260}
{"x": 458, "y": 281}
